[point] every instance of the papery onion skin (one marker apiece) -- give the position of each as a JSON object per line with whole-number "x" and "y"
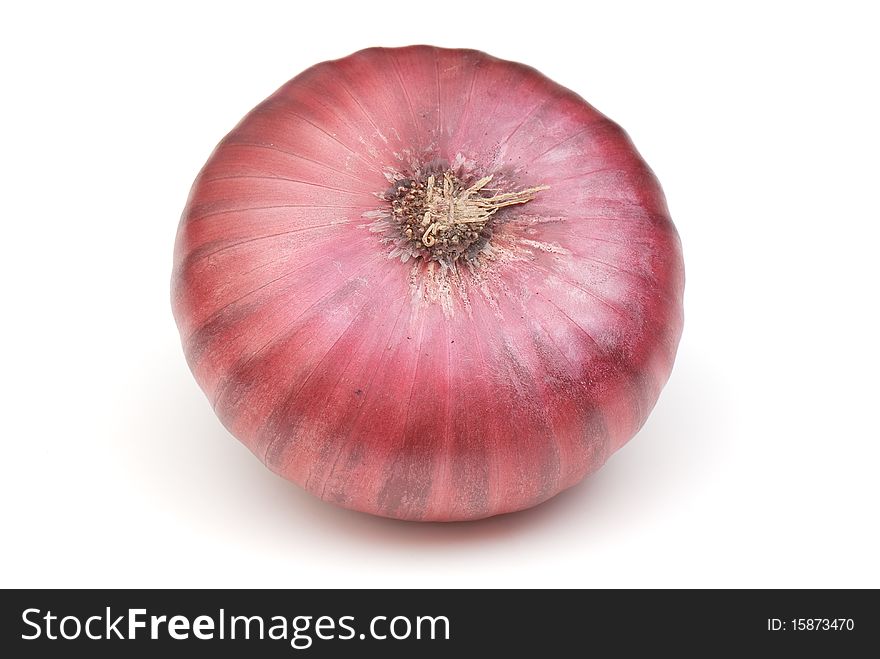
{"x": 404, "y": 387}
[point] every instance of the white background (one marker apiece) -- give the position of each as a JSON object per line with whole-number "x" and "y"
{"x": 761, "y": 462}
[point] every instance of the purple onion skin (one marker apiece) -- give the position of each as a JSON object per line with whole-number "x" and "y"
{"x": 386, "y": 380}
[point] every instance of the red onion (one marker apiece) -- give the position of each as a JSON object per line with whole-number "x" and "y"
{"x": 428, "y": 284}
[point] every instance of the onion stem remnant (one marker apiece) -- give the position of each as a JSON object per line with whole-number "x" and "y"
{"x": 445, "y": 220}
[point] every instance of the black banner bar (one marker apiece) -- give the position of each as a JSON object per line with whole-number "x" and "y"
{"x": 290, "y": 623}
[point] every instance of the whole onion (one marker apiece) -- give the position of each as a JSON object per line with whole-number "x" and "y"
{"x": 428, "y": 284}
